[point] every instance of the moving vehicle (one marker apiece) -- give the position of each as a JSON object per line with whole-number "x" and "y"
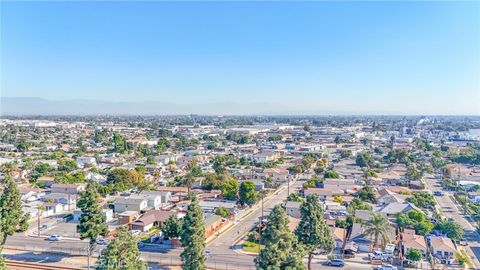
{"x": 336, "y": 262}
{"x": 438, "y": 193}
{"x": 54, "y": 237}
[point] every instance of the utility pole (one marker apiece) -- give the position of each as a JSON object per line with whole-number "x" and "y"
{"x": 38, "y": 221}
{"x": 288, "y": 186}
{"x": 260, "y": 228}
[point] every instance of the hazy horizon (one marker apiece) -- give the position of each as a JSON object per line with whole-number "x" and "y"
{"x": 400, "y": 58}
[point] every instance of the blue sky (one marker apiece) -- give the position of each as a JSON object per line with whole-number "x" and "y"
{"x": 389, "y": 57}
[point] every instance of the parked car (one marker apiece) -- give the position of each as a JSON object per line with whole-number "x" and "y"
{"x": 463, "y": 241}
{"x": 386, "y": 267}
{"x": 136, "y": 232}
{"x": 376, "y": 255}
{"x": 336, "y": 262}
{"x": 102, "y": 242}
{"x": 54, "y": 237}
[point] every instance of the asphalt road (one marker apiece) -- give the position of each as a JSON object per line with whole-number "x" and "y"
{"x": 223, "y": 247}
{"x": 455, "y": 212}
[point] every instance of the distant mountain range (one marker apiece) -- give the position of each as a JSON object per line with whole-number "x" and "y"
{"x": 41, "y": 106}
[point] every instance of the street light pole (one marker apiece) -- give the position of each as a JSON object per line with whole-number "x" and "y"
{"x": 288, "y": 187}
{"x": 38, "y": 221}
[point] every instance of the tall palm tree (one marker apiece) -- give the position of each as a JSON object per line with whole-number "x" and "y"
{"x": 377, "y": 227}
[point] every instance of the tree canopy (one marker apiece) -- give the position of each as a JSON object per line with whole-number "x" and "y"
{"x": 193, "y": 238}
{"x": 121, "y": 253}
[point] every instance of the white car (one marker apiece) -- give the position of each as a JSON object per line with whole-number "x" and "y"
{"x": 386, "y": 267}
{"x": 136, "y": 232}
{"x": 54, "y": 237}
{"x": 102, "y": 242}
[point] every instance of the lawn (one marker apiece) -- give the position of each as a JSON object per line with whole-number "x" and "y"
{"x": 250, "y": 247}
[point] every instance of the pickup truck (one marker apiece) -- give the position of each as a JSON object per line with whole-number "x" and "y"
{"x": 378, "y": 255}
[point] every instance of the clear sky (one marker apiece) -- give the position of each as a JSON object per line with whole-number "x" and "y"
{"x": 398, "y": 57}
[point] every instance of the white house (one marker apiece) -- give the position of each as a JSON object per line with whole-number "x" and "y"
{"x": 442, "y": 247}
{"x": 293, "y": 209}
{"x": 89, "y": 161}
{"x": 130, "y": 204}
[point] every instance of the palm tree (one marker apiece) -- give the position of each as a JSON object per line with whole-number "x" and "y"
{"x": 378, "y": 227}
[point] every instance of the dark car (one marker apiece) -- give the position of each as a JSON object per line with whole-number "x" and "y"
{"x": 438, "y": 193}
{"x": 336, "y": 262}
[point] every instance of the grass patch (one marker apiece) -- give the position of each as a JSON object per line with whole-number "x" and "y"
{"x": 250, "y": 247}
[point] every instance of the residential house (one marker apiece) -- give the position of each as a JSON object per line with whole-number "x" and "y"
{"x": 107, "y": 213}
{"x": 62, "y": 198}
{"x": 386, "y": 196}
{"x": 46, "y": 181}
{"x": 72, "y": 189}
{"x": 279, "y": 174}
{"x": 151, "y": 219}
{"x": 293, "y": 209}
{"x": 442, "y": 247}
{"x": 130, "y": 204}
{"x": 474, "y": 197}
{"x": 86, "y": 161}
{"x": 342, "y": 184}
{"x": 29, "y": 194}
{"x": 391, "y": 210}
{"x": 339, "y": 234}
{"x": 127, "y": 217}
{"x": 213, "y": 224}
{"x": 154, "y": 199}
{"x": 211, "y": 205}
{"x": 410, "y": 240}
{"x": 323, "y": 193}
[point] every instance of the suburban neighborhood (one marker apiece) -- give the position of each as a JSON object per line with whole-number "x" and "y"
{"x": 392, "y": 193}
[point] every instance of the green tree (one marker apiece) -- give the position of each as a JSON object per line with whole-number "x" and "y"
{"x": 282, "y": 250}
{"x": 331, "y": 174}
{"x": 172, "y": 227}
{"x": 451, "y": 229}
{"x": 345, "y": 153}
{"x": 12, "y": 218}
{"x": 223, "y": 212}
{"x": 422, "y": 200}
{"x": 121, "y": 253}
{"x": 193, "y": 238}
{"x": 364, "y": 159}
{"x": 377, "y": 227}
{"x": 312, "y": 231}
{"x": 187, "y": 181}
{"x": 367, "y": 194}
{"x": 414, "y": 255}
{"x": 119, "y": 143}
{"x": 413, "y": 174}
{"x": 247, "y": 193}
{"x": 92, "y": 221}
{"x": 230, "y": 189}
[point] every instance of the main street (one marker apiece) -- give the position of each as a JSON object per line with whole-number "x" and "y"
{"x": 224, "y": 246}
{"x": 455, "y": 212}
